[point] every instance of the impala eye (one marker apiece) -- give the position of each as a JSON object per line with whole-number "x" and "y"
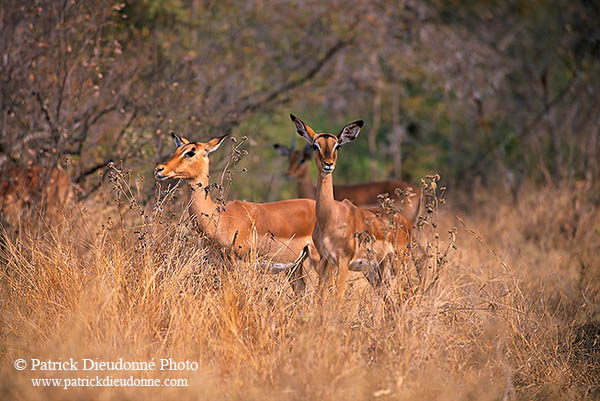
{"x": 337, "y": 146}
{"x": 191, "y": 153}
{"x": 315, "y": 147}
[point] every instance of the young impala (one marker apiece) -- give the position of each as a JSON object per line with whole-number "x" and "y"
{"x": 280, "y": 229}
{"x": 346, "y": 236}
{"x": 364, "y": 195}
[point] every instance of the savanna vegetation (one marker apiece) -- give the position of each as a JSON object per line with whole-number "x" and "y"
{"x": 491, "y": 106}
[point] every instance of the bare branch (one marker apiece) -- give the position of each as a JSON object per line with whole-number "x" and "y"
{"x": 44, "y": 109}
{"x": 525, "y": 132}
{"x": 288, "y": 86}
{"x": 93, "y": 169}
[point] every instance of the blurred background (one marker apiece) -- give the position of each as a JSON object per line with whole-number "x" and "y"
{"x": 485, "y": 93}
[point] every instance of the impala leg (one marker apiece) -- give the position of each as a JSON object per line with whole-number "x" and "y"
{"x": 324, "y": 272}
{"x": 373, "y": 276}
{"x": 296, "y": 273}
{"x": 325, "y": 276}
{"x": 342, "y": 276}
{"x": 379, "y": 276}
{"x": 387, "y": 270}
{"x": 296, "y": 279}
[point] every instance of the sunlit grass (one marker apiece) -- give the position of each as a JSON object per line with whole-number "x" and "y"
{"x": 513, "y": 313}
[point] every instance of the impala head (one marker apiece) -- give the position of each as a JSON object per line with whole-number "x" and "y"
{"x": 297, "y": 159}
{"x": 190, "y": 161}
{"x": 324, "y": 145}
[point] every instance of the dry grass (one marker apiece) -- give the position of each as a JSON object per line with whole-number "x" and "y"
{"x": 513, "y": 314}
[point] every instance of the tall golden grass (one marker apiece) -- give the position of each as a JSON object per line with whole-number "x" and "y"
{"x": 512, "y": 313}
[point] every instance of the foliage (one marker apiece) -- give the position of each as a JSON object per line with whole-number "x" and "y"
{"x": 490, "y": 89}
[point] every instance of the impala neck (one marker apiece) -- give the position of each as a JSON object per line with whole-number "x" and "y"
{"x": 202, "y": 204}
{"x": 324, "y": 197}
{"x": 306, "y": 187}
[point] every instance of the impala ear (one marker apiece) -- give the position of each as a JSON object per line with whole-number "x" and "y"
{"x": 214, "y": 143}
{"x": 350, "y": 132}
{"x": 307, "y": 153}
{"x": 179, "y": 141}
{"x": 282, "y": 150}
{"x": 303, "y": 130}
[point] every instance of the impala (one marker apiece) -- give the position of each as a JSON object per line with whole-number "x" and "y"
{"x": 22, "y": 188}
{"x": 281, "y": 229}
{"x": 360, "y": 194}
{"x": 342, "y": 229}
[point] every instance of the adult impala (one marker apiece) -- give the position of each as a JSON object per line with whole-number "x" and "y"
{"x": 280, "y": 229}
{"x": 346, "y": 236}
{"x": 360, "y": 194}
{"x": 48, "y": 190}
